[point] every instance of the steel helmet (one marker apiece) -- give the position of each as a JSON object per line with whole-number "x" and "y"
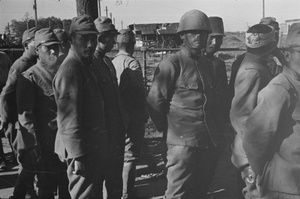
{"x": 194, "y": 20}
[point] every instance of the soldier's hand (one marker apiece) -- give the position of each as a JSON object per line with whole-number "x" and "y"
{"x": 248, "y": 175}
{"x": 80, "y": 166}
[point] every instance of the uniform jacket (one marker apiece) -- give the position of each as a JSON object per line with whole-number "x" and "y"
{"x": 80, "y": 108}
{"x": 181, "y": 97}
{"x": 37, "y": 106}
{"x": 272, "y": 135}
{"x": 116, "y": 116}
{"x": 131, "y": 84}
{"x": 8, "y": 104}
{"x": 252, "y": 76}
{"x": 220, "y": 84}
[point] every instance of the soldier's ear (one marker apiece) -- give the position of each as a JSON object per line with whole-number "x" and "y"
{"x": 37, "y": 50}
{"x": 287, "y": 55}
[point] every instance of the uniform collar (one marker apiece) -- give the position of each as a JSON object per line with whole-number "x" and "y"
{"x": 291, "y": 72}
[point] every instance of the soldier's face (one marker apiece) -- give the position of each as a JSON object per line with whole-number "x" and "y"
{"x": 84, "y": 45}
{"x": 107, "y": 42}
{"x": 213, "y": 43}
{"x": 292, "y": 57}
{"x": 195, "y": 39}
{"x": 48, "y": 54}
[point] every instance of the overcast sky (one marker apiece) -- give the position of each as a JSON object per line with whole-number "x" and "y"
{"x": 236, "y": 14}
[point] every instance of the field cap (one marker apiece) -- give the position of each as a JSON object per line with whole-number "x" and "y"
{"x": 61, "y": 34}
{"x": 83, "y": 25}
{"x": 104, "y": 24}
{"x": 259, "y": 35}
{"x": 45, "y": 37}
{"x": 29, "y": 34}
{"x": 126, "y": 36}
{"x": 217, "y": 27}
{"x": 293, "y": 37}
{"x": 270, "y": 21}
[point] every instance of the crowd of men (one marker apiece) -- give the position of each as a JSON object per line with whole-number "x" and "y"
{"x": 75, "y": 118}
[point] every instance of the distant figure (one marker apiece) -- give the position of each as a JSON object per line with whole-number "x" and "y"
{"x": 224, "y": 185}
{"x": 9, "y": 116}
{"x": 81, "y": 139}
{"x": 254, "y": 74}
{"x": 181, "y": 103}
{"x": 131, "y": 83}
{"x": 272, "y": 132}
{"x": 64, "y": 46}
{"x": 275, "y": 61}
{"x": 37, "y": 116}
{"x": 116, "y": 117}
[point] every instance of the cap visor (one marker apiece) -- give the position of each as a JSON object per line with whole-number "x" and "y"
{"x": 50, "y": 43}
{"x": 86, "y": 32}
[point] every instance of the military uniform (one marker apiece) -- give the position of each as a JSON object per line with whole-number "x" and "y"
{"x": 116, "y": 122}
{"x": 182, "y": 94}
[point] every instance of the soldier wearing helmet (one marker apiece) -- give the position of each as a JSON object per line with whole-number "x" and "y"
{"x": 180, "y": 103}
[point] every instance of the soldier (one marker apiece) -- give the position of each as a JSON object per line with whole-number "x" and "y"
{"x": 64, "y": 47}
{"x": 82, "y": 136}
{"x": 271, "y": 138}
{"x": 253, "y": 75}
{"x": 116, "y": 118}
{"x": 224, "y": 184}
{"x": 9, "y": 116}
{"x": 220, "y": 82}
{"x": 180, "y": 100}
{"x": 131, "y": 83}
{"x": 37, "y": 115}
{"x": 275, "y": 61}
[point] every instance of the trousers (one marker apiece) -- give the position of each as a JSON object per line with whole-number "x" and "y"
{"x": 189, "y": 171}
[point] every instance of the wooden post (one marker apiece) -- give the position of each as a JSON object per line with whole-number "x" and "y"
{"x": 144, "y": 51}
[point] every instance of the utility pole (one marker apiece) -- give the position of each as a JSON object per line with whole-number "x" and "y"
{"x": 99, "y": 7}
{"x": 35, "y": 13}
{"x": 114, "y": 21}
{"x": 110, "y": 15}
{"x": 106, "y": 10}
{"x": 122, "y": 24}
{"x": 26, "y": 18}
{"x": 263, "y": 8}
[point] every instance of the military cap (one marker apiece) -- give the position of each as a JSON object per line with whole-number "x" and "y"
{"x": 104, "y": 24}
{"x": 45, "y": 37}
{"x": 61, "y": 34}
{"x": 293, "y": 37}
{"x": 270, "y": 21}
{"x": 217, "y": 27}
{"x": 29, "y": 34}
{"x": 126, "y": 36}
{"x": 259, "y": 35}
{"x": 83, "y": 25}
